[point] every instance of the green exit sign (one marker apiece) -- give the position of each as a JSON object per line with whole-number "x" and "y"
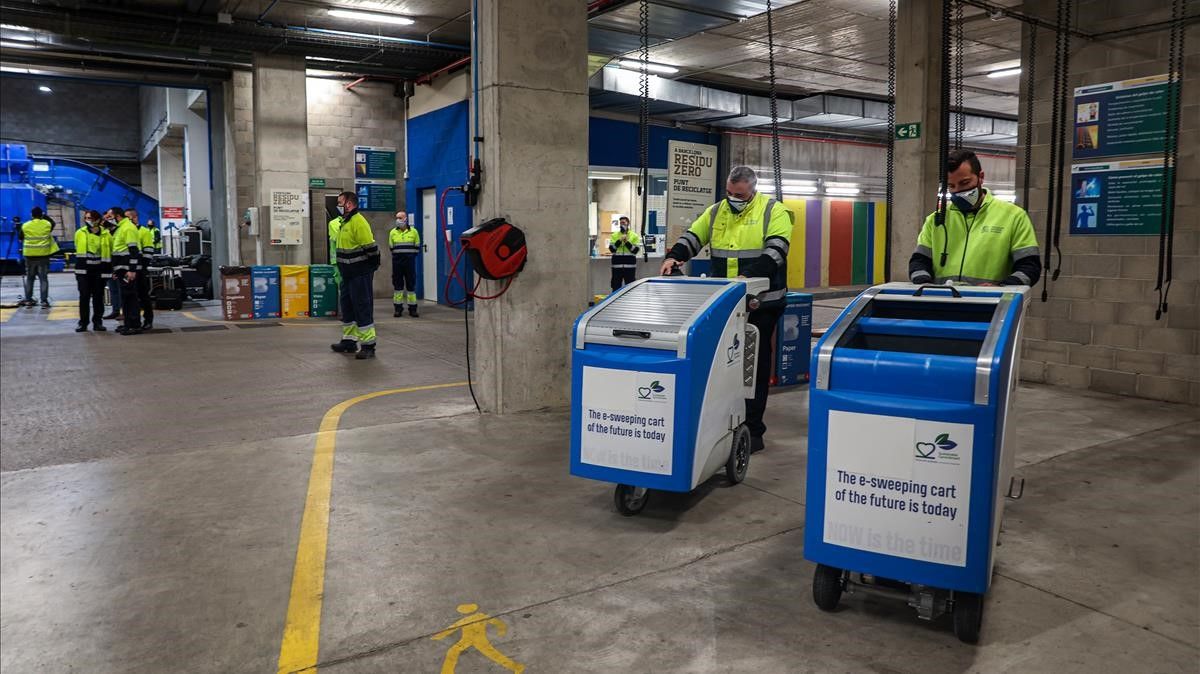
{"x": 908, "y": 131}
{"x": 316, "y": 182}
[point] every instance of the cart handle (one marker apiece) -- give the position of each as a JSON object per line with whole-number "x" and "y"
{"x": 640, "y": 334}
{"x": 952, "y": 289}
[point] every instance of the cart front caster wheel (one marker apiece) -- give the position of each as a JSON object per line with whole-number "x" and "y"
{"x": 630, "y": 500}
{"x": 739, "y": 455}
{"x": 827, "y": 587}
{"x": 968, "y": 616}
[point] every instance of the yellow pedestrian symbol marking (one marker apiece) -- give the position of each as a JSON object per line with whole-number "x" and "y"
{"x": 474, "y": 635}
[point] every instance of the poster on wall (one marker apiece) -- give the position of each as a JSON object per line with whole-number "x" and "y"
{"x": 1121, "y": 118}
{"x": 1118, "y": 197}
{"x": 289, "y": 212}
{"x": 376, "y": 195}
{"x": 691, "y": 185}
{"x": 376, "y": 163}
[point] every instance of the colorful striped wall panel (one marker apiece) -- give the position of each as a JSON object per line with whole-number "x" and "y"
{"x": 836, "y": 242}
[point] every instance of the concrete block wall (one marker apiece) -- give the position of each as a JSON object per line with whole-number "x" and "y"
{"x": 338, "y": 119}
{"x": 1098, "y": 330}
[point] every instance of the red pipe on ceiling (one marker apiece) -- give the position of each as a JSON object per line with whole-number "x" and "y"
{"x": 428, "y": 77}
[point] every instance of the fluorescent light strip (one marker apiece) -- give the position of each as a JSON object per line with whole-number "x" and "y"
{"x": 800, "y": 190}
{"x": 837, "y": 185}
{"x": 1007, "y": 72}
{"x": 604, "y": 177}
{"x": 11, "y": 26}
{"x": 842, "y": 191}
{"x": 371, "y": 16}
{"x": 632, "y": 64}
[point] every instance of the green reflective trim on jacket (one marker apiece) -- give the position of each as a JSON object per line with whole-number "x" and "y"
{"x": 980, "y": 245}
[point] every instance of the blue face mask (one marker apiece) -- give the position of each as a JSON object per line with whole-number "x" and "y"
{"x": 966, "y": 200}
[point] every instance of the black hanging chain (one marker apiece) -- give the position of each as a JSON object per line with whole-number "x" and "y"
{"x": 775, "y": 163}
{"x": 944, "y": 135}
{"x": 1056, "y": 113}
{"x": 891, "y": 147}
{"x": 960, "y": 121}
{"x": 1166, "y": 235}
{"x": 644, "y": 119}
{"x": 1061, "y": 140}
{"x": 1030, "y": 91}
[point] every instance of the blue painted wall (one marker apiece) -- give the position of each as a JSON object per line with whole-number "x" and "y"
{"x": 615, "y": 143}
{"x": 437, "y": 158}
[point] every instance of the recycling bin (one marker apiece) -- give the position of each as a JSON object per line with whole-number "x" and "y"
{"x": 323, "y": 291}
{"x": 660, "y": 373}
{"x": 793, "y": 341}
{"x": 293, "y": 290}
{"x": 908, "y": 461}
{"x": 237, "y": 302}
{"x": 265, "y": 291}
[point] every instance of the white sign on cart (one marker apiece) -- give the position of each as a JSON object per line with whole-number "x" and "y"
{"x": 899, "y": 486}
{"x": 628, "y": 417}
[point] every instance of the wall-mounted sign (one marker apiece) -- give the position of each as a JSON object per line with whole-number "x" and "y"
{"x": 289, "y": 211}
{"x": 1121, "y": 118}
{"x": 1119, "y": 197}
{"x": 908, "y": 131}
{"x": 377, "y": 163}
{"x": 691, "y": 184}
{"x": 172, "y": 212}
{"x": 316, "y": 183}
{"x": 376, "y": 195}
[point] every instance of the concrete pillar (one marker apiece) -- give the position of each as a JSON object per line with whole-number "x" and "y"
{"x": 918, "y": 92}
{"x": 534, "y": 122}
{"x": 172, "y": 190}
{"x": 280, "y": 145}
{"x": 195, "y": 151}
{"x": 150, "y": 175}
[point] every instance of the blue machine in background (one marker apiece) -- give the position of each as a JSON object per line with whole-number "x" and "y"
{"x": 660, "y": 373}
{"x": 907, "y": 462}
{"x": 27, "y": 181}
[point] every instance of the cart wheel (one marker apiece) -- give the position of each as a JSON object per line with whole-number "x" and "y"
{"x": 827, "y": 587}
{"x": 630, "y": 500}
{"x": 968, "y": 616}
{"x": 739, "y": 455}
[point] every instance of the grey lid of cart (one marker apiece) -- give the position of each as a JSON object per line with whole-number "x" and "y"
{"x": 661, "y": 310}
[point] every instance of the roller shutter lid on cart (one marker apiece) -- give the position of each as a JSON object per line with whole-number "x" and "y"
{"x": 656, "y": 312}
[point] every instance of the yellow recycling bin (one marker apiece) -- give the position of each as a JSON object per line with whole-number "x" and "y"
{"x": 293, "y": 290}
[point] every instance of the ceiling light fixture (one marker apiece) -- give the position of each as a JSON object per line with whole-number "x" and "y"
{"x": 1007, "y": 72}
{"x": 633, "y": 64}
{"x": 11, "y": 26}
{"x": 45, "y": 89}
{"x": 604, "y": 177}
{"x": 371, "y": 16}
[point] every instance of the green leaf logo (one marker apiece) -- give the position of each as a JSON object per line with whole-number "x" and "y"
{"x": 942, "y": 438}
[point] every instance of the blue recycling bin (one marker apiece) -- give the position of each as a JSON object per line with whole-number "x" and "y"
{"x": 660, "y": 373}
{"x": 907, "y": 461}
{"x": 264, "y": 288}
{"x": 793, "y": 341}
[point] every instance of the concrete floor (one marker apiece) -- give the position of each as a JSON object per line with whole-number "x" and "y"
{"x": 152, "y": 490}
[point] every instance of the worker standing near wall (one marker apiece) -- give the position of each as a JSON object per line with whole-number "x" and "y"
{"x": 93, "y": 258}
{"x": 150, "y": 239}
{"x": 334, "y": 226}
{"x": 127, "y": 269}
{"x": 37, "y": 247}
{"x": 142, "y": 284}
{"x": 750, "y": 234}
{"x": 405, "y": 243}
{"x": 984, "y": 241}
{"x": 624, "y": 245}
{"x": 357, "y": 260}
{"x": 114, "y": 285}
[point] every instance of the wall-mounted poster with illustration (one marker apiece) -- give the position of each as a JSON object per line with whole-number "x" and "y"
{"x": 1121, "y": 118}
{"x": 1119, "y": 197}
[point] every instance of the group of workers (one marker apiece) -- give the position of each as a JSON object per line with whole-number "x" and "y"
{"x": 111, "y": 250}
{"x": 352, "y": 245}
{"x": 749, "y": 235}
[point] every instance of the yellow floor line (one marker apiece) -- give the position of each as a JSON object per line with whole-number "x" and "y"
{"x": 302, "y": 632}
{"x": 62, "y": 313}
{"x": 6, "y": 314}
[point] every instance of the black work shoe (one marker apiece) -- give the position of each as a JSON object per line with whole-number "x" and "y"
{"x": 367, "y": 351}
{"x": 82, "y": 327}
{"x": 45, "y": 304}
{"x": 26, "y": 303}
{"x": 756, "y": 444}
{"x": 128, "y": 331}
{"x": 111, "y": 317}
{"x": 345, "y": 346}
{"x": 398, "y": 312}
{"x": 99, "y": 327}
{"x": 412, "y": 311}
